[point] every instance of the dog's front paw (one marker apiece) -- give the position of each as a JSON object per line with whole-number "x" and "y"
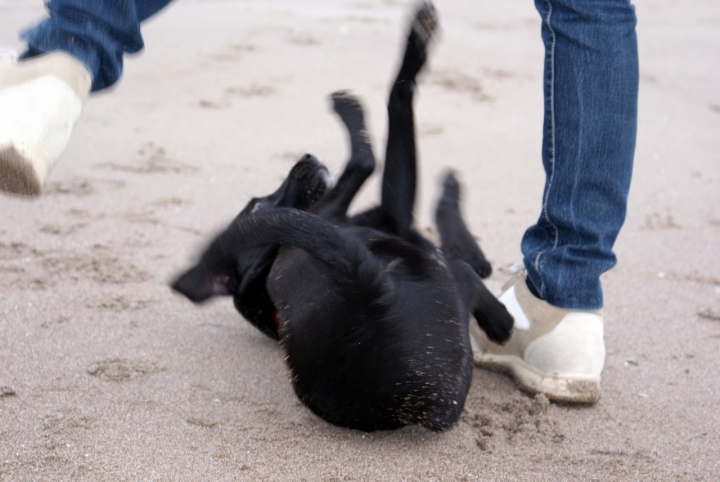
{"x": 350, "y": 110}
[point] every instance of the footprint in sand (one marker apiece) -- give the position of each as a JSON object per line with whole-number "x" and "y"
{"x": 61, "y": 230}
{"x": 100, "y": 268}
{"x": 709, "y": 314}
{"x": 519, "y": 419}
{"x": 303, "y": 40}
{"x": 6, "y": 391}
{"x": 15, "y": 251}
{"x": 253, "y": 90}
{"x": 145, "y": 217}
{"x": 430, "y": 129}
{"x": 201, "y": 422}
{"x": 243, "y": 47}
{"x": 73, "y": 187}
{"x": 659, "y": 221}
{"x": 208, "y": 104}
{"x": 460, "y": 83}
{"x": 234, "y": 54}
{"x": 61, "y": 427}
{"x": 154, "y": 161}
{"x": 172, "y": 202}
{"x": 120, "y": 370}
{"x": 119, "y": 304}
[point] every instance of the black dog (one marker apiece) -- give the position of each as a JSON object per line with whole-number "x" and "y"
{"x": 373, "y": 317}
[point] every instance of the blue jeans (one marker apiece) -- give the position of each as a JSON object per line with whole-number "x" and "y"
{"x": 96, "y": 32}
{"x": 591, "y": 89}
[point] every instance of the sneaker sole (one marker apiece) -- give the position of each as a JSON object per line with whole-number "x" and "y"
{"x": 17, "y": 175}
{"x": 560, "y": 388}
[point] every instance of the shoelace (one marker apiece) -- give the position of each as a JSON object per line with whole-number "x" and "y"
{"x": 516, "y": 272}
{"x": 8, "y": 55}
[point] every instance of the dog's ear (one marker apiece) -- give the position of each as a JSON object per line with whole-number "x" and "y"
{"x": 198, "y": 284}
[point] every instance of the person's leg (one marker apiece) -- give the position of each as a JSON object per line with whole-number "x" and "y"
{"x": 96, "y": 32}
{"x": 590, "y": 87}
{"x": 79, "y": 47}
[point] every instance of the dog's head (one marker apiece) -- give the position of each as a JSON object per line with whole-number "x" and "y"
{"x": 242, "y": 273}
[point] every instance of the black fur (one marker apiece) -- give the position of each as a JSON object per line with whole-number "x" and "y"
{"x": 373, "y": 317}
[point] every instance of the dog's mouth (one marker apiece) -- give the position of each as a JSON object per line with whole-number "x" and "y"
{"x": 276, "y": 319}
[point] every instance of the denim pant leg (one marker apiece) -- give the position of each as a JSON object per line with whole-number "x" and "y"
{"x": 591, "y": 89}
{"x": 96, "y": 32}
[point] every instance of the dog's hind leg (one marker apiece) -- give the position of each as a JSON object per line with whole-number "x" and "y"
{"x": 400, "y": 173}
{"x": 468, "y": 264}
{"x": 361, "y": 164}
{"x": 455, "y": 240}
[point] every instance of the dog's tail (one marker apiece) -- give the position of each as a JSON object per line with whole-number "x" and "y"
{"x": 319, "y": 238}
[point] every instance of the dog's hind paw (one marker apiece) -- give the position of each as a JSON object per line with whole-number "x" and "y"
{"x": 422, "y": 30}
{"x": 492, "y": 316}
{"x": 494, "y": 319}
{"x": 424, "y": 25}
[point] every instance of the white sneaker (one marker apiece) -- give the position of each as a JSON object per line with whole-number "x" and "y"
{"x": 557, "y": 352}
{"x": 40, "y": 100}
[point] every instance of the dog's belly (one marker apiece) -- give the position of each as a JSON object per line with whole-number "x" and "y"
{"x": 371, "y": 362}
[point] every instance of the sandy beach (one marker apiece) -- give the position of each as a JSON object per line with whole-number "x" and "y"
{"x": 105, "y": 374}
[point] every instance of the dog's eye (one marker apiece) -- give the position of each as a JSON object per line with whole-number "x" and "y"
{"x": 256, "y": 206}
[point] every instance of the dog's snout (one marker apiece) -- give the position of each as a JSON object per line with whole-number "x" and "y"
{"x": 305, "y": 167}
{"x": 309, "y": 162}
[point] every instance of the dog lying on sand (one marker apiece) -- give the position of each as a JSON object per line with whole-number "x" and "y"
{"x": 372, "y": 317}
